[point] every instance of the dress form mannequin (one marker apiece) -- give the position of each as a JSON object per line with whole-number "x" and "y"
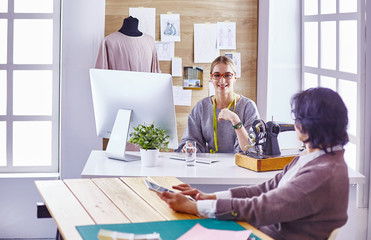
{"x": 130, "y": 27}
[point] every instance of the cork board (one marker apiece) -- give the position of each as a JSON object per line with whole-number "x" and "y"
{"x": 243, "y": 12}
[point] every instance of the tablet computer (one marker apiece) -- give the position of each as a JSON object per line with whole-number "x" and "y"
{"x": 154, "y": 187}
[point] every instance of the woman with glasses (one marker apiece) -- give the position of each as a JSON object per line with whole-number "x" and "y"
{"x": 218, "y": 123}
{"x": 309, "y": 198}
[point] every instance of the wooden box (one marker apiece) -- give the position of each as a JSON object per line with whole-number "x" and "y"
{"x": 262, "y": 165}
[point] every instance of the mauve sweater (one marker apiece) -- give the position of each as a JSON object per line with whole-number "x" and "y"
{"x": 121, "y": 52}
{"x": 309, "y": 206}
{"x": 200, "y": 126}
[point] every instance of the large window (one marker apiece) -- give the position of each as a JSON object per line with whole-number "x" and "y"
{"x": 29, "y": 85}
{"x": 333, "y": 42}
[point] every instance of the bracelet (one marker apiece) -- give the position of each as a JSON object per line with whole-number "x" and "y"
{"x": 238, "y": 125}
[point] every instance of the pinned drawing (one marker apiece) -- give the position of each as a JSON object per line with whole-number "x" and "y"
{"x": 170, "y": 27}
{"x": 165, "y": 50}
{"x": 236, "y": 57}
{"x": 226, "y": 35}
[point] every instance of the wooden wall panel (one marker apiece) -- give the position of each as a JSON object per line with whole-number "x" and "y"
{"x": 243, "y": 12}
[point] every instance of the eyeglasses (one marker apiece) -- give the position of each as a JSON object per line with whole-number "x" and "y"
{"x": 218, "y": 76}
{"x": 294, "y": 117}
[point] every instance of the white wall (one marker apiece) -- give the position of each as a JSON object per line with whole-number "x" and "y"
{"x": 18, "y": 210}
{"x": 367, "y": 108}
{"x": 82, "y": 30}
{"x": 279, "y": 62}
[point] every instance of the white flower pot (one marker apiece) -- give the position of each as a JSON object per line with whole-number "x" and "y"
{"x": 148, "y": 157}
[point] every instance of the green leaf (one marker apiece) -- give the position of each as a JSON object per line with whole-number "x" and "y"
{"x": 149, "y": 137}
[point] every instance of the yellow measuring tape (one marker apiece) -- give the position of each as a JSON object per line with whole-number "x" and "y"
{"x": 215, "y": 121}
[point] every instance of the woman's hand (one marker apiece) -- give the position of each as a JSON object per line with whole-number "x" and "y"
{"x": 186, "y": 189}
{"x": 180, "y": 203}
{"x": 228, "y": 115}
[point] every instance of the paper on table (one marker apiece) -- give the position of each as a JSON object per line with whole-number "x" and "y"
{"x": 198, "y": 232}
{"x": 182, "y": 97}
{"x": 113, "y": 235}
{"x": 147, "y": 19}
{"x": 176, "y": 67}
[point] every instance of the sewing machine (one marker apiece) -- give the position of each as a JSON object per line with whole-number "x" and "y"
{"x": 264, "y": 153}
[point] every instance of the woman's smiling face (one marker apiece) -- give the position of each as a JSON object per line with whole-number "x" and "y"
{"x": 224, "y": 84}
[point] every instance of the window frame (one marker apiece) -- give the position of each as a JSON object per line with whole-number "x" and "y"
{"x": 9, "y": 67}
{"x": 359, "y": 77}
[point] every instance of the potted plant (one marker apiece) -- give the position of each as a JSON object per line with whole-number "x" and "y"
{"x": 150, "y": 139}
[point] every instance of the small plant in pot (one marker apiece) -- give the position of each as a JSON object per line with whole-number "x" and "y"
{"x": 150, "y": 139}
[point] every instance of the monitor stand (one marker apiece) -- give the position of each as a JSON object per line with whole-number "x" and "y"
{"x": 117, "y": 142}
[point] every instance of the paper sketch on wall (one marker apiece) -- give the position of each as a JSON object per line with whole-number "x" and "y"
{"x": 226, "y": 35}
{"x": 182, "y": 97}
{"x": 236, "y": 57}
{"x": 205, "y": 49}
{"x": 176, "y": 67}
{"x": 165, "y": 50}
{"x": 170, "y": 27}
{"x": 147, "y": 19}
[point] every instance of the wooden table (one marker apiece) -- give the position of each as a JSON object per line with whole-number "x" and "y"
{"x": 74, "y": 202}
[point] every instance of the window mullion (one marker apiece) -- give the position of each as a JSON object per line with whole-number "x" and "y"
{"x": 337, "y": 47}
{"x": 9, "y": 122}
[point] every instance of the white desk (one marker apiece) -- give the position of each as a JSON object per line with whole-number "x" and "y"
{"x": 224, "y": 172}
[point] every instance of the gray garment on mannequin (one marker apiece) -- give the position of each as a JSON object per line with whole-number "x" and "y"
{"x": 200, "y": 126}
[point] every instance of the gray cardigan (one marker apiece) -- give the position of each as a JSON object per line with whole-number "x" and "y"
{"x": 200, "y": 126}
{"x": 310, "y": 206}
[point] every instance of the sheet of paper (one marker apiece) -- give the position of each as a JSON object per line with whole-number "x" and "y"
{"x": 236, "y": 57}
{"x": 226, "y": 35}
{"x": 147, "y": 19}
{"x": 165, "y": 50}
{"x": 182, "y": 97}
{"x": 176, "y": 67}
{"x": 198, "y": 232}
{"x": 211, "y": 89}
{"x": 205, "y": 49}
{"x": 170, "y": 27}
{"x": 113, "y": 235}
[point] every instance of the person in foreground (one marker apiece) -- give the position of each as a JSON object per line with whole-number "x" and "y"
{"x": 218, "y": 123}
{"x": 309, "y": 198}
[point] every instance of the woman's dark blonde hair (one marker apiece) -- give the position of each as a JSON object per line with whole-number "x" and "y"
{"x": 225, "y": 60}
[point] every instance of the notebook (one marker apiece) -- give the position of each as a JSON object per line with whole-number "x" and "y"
{"x": 198, "y": 159}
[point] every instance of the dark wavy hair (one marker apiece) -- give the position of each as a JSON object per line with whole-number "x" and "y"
{"x": 323, "y": 116}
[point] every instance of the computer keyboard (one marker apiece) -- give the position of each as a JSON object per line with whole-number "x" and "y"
{"x": 198, "y": 159}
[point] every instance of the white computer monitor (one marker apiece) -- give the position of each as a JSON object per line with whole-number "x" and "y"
{"x": 124, "y": 99}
